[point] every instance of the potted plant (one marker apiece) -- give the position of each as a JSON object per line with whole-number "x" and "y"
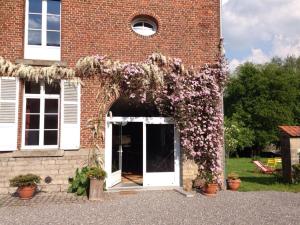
{"x": 97, "y": 176}
{"x": 233, "y": 181}
{"x": 211, "y": 184}
{"x": 26, "y": 185}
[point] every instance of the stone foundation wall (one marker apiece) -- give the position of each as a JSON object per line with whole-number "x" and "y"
{"x": 59, "y": 165}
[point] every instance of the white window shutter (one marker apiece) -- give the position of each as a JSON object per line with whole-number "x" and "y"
{"x": 9, "y": 90}
{"x": 70, "y": 116}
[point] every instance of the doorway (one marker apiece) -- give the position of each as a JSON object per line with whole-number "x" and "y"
{"x": 127, "y": 153}
{"x": 141, "y": 151}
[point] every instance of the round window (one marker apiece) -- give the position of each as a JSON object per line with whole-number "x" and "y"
{"x": 144, "y": 26}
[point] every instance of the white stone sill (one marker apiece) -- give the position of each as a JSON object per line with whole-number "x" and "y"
{"x": 44, "y": 153}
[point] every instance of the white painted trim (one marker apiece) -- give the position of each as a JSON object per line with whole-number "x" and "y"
{"x": 149, "y": 120}
{"x": 142, "y": 30}
{"x": 13, "y": 126}
{"x": 70, "y": 133}
{"x": 42, "y": 96}
{"x": 42, "y": 52}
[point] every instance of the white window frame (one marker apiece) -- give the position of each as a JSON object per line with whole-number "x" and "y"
{"x": 42, "y": 96}
{"x": 41, "y": 52}
{"x": 142, "y": 30}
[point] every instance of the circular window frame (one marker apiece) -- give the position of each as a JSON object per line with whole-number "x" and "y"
{"x": 144, "y": 19}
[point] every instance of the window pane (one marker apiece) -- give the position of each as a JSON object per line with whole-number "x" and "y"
{"x": 51, "y": 121}
{"x": 53, "y": 7}
{"x": 33, "y": 105}
{"x": 53, "y": 38}
{"x": 35, "y": 21}
{"x": 160, "y": 148}
{"x": 32, "y": 88}
{"x": 53, "y": 88}
{"x": 32, "y": 121}
{"x": 51, "y": 105}
{"x": 148, "y": 25}
{"x": 35, "y": 6}
{"x": 34, "y": 37}
{"x": 53, "y": 22}
{"x": 116, "y": 130}
{"x": 140, "y": 24}
{"x": 32, "y": 138}
{"x": 50, "y": 137}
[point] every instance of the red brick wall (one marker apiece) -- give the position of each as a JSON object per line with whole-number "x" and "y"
{"x": 12, "y": 17}
{"x": 186, "y": 29}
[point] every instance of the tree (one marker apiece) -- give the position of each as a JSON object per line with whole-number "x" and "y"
{"x": 237, "y": 136}
{"x": 262, "y": 97}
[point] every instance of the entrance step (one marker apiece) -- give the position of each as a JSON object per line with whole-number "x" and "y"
{"x": 140, "y": 188}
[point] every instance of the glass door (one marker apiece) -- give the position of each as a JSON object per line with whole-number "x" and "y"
{"x": 162, "y": 155}
{"x": 116, "y": 155}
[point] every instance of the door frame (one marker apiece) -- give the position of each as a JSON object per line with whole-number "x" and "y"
{"x": 153, "y": 179}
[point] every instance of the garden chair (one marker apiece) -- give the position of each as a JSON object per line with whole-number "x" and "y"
{"x": 262, "y": 168}
{"x": 271, "y": 162}
{"x": 278, "y": 160}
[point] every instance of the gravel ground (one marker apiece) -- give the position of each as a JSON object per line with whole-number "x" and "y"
{"x": 164, "y": 207}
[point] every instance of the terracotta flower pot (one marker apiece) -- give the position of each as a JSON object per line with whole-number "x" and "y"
{"x": 96, "y": 192}
{"x": 211, "y": 189}
{"x": 26, "y": 192}
{"x": 234, "y": 184}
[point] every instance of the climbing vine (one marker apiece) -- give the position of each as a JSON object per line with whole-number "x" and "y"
{"x": 50, "y": 74}
{"x": 191, "y": 96}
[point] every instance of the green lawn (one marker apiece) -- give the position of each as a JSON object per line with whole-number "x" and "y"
{"x": 255, "y": 181}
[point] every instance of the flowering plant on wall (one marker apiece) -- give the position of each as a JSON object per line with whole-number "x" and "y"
{"x": 191, "y": 96}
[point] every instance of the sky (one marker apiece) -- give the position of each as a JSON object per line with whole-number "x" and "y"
{"x": 258, "y": 30}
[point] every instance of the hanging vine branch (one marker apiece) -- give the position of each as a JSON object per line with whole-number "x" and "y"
{"x": 191, "y": 96}
{"x": 50, "y": 74}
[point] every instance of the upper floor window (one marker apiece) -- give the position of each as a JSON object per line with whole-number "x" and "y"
{"x": 144, "y": 26}
{"x": 43, "y": 29}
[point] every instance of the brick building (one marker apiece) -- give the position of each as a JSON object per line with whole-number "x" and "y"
{"x": 42, "y": 127}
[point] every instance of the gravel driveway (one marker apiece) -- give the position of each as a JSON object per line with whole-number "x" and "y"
{"x": 164, "y": 207}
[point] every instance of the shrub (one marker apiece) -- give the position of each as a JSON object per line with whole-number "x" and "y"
{"x": 96, "y": 172}
{"x": 296, "y": 173}
{"x": 233, "y": 176}
{"x": 25, "y": 180}
{"x": 80, "y": 183}
{"x": 209, "y": 177}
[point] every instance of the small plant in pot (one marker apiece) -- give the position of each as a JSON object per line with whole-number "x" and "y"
{"x": 233, "y": 181}
{"x": 97, "y": 176}
{"x": 26, "y": 185}
{"x": 211, "y": 184}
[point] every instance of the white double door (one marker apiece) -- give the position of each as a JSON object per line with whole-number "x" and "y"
{"x": 161, "y": 151}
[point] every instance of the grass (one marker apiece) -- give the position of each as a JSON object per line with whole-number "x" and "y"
{"x": 252, "y": 180}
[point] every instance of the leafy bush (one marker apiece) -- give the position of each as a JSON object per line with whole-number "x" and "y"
{"x": 296, "y": 173}
{"x": 209, "y": 177}
{"x": 25, "y": 180}
{"x": 96, "y": 172}
{"x": 80, "y": 183}
{"x": 233, "y": 176}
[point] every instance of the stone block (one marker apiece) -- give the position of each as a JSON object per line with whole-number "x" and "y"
{"x": 4, "y": 190}
{"x": 61, "y": 162}
{"x": 48, "y": 162}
